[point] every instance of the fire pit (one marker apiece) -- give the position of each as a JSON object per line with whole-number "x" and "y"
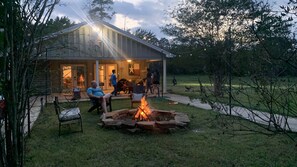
{"x": 145, "y": 118}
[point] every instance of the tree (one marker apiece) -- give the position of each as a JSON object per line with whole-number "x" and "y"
{"x": 290, "y": 8}
{"x": 21, "y": 21}
{"x": 57, "y": 24}
{"x": 275, "y": 62}
{"x": 101, "y": 9}
{"x": 1, "y": 27}
{"x": 164, "y": 44}
{"x": 146, "y": 35}
{"x": 218, "y": 26}
{"x": 264, "y": 46}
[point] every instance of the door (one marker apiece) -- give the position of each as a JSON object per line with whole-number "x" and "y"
{"x": 105, "y": 71}
{"x": 73, "y": 76}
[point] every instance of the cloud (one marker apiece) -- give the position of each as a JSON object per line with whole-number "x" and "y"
{"x": 149, "y": 14}
{"x": 130, "y": 14}
{"x": 124, "y": 22}
{"x": 133, "y": 2}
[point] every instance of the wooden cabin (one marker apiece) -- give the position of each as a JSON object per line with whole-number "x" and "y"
{"x": 75, "y": 56}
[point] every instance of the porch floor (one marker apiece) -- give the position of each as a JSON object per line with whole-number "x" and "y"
{"x": 84, "y": 97}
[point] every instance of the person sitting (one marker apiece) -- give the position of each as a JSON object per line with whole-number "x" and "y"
{"x": 97, "y": 97}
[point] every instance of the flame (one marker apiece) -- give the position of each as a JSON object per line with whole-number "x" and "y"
{"x": 144, "y": 111}
{"x": 81, "y": 78}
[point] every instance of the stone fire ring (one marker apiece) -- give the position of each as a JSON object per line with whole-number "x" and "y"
{"x": 159, "y": 120}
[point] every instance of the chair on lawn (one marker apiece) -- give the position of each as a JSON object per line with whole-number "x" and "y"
{"x": 137, "y": 94}
{"x": 97, "y": 104}
{"x": 67, "y": 116}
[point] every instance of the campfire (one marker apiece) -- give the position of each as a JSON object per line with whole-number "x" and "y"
{"x": 143, "y": 112}
{"x": 145, "y": 118}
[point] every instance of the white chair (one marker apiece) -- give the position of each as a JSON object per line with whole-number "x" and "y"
{"x": 67, "y": 116}
{"x": 137, "y": 94}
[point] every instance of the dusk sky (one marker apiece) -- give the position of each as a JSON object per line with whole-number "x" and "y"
{"x": 146, "y": 14}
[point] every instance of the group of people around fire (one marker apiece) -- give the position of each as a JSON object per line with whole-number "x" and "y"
{"x": 98, "y": 97}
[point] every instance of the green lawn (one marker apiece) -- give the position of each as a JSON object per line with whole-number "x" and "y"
{"x": 204, "y": 143}
{"x": 243, "y": 94}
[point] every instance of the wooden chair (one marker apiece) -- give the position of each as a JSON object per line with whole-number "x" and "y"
{"x": 137, "y": 94}
{"x": 67, "y": 116}
{"x": 96, "y": 104}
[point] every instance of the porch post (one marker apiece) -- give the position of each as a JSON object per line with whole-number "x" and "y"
{"x": 164, "y": 76}
{"x": 97, "y": 72}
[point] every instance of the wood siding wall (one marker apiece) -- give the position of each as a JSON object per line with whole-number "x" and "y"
{"x": 85, "y": 43}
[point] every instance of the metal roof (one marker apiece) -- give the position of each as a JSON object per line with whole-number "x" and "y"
{"x": 124, "y": 33}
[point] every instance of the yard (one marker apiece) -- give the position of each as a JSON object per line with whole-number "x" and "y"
{"x": 206, "y": 142}
{"x": 242, "y": 93}
{"x": 42, "y": 50}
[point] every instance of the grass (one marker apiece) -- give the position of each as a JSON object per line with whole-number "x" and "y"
{"x": 242, "y": 93}
{"x": 204, "y": 143}
{"x": 186, "y": 80}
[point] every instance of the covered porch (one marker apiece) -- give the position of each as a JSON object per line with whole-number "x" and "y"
{"x": 64, "y": 76}
{"x": 90, "y": 51}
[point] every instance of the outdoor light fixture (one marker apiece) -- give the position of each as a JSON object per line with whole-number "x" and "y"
{"x": 95, "y": 29}
{"x": 129, "y": 61}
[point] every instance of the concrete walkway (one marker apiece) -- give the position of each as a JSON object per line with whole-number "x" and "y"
{"x": 37, "y": 103}
{"x": 36, "y": 107}
{"x": 264, "y": 118}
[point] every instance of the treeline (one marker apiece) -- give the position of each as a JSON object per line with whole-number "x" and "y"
{"x": 277, "y": 55}
{"x": 235, "y": 37}
{"x": 220, "y": 38}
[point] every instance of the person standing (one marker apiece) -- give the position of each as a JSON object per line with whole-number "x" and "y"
{"x": 174, "y": 81}
{"x": 113, "y": 81}
{"x": 148, "y": 81}
{"x": 156, "y": 82}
